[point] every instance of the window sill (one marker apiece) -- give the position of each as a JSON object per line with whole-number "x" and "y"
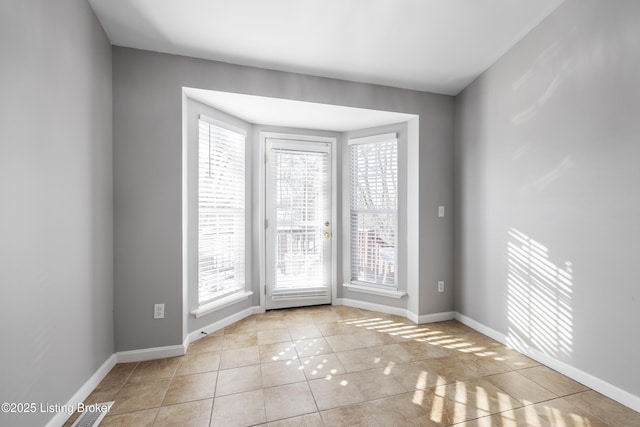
{"x": 221, "y": 303}
{"x": 391, "y": 293}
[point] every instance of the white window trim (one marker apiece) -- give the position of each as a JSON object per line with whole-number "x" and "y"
{"x": 221, "y": 303}
{"x": 193, "y": 112}
{"x": 354, "y": 285}
{"x": 240, "y": 287}
{"x": 223, "y": 125}
{"x": 373, "y": 138}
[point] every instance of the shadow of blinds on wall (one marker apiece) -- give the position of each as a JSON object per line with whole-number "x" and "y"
{"x": 221, "y": 210}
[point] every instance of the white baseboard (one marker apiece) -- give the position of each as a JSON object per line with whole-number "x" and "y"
{"x": 180, "y": 350}
{"x": 61, "y": 417}
{"x": 415, "y": 318}
{"x": 151, "y": 353}
{"x": 630, "y": 400}
{"x": 435, "y": 317}
{"x": 222, "y": 323}
{"x": 492, "y": 333}
{"x": 396, "y": 311}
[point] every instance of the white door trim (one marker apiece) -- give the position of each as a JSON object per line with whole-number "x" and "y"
{"x": 262, "y": 181}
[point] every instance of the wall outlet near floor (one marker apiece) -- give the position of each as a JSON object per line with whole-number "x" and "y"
{"x": 441, "y": 211}
{"x": 158, "y": 311}
{"x": 441, "y": 286}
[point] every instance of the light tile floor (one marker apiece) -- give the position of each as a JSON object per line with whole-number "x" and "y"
{"x": 333, "y": 366}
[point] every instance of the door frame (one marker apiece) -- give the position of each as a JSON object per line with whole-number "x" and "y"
{"x": 262, "y": 182}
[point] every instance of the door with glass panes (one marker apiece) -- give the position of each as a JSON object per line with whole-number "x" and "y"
{"x": 298, "y": 223}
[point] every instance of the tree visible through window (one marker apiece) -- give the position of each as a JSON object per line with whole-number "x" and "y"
{"x": 374, "y": 209}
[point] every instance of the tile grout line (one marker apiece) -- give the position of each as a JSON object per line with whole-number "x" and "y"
{"x": 521, "y": 407}
{"x": 264, "y": 403}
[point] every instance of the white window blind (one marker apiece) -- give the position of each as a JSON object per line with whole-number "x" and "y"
{"x": 221, "y": 212}
{"x": 374, "y": 209}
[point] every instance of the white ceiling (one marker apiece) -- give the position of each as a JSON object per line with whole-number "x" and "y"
{"x": 429, "y": 45}
{"x": 295, "y": 114}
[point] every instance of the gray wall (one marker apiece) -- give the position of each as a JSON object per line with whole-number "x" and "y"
{"x": 547, "y": 201}
{"x": 147, "y": 177}
{"x": 56, "y": 262}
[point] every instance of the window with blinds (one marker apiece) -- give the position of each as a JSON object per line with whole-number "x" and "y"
{"x": 221, "y": 212}
{"x": 374, "y": 209}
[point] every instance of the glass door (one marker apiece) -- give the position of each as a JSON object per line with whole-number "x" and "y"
{"x": 298, "y": 229}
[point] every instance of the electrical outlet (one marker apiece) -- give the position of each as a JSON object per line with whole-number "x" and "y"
{"x": 441, "y": 211}
{"x": 441, "y": 286}
{"x": 158, "y": 311}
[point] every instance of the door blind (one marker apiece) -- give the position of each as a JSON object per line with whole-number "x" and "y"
{"x": 373, "y": 210}
{"x": 299, "y": 190}
{"x": 221, "y": 212}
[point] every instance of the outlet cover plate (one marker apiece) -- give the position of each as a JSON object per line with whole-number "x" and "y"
{"x": 158, "y": 311}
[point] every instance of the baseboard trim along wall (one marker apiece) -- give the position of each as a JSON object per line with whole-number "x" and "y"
{"x": 396, "y": 311}
{"x": 431, "y": 318}
{"x": 61, "y": 417}
{"x": 222, "y": 323}
{"x": 181, "y": 349}
{"x": 151, "y": 353}
{"x": 403, "y": 312}
{"x": 630, "y": 400}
